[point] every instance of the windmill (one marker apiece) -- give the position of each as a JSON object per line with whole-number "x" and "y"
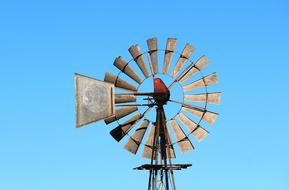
{"x": 119, "y": 100}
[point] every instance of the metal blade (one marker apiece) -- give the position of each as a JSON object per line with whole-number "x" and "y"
{"x": 187, "y": 122}
{"x": 153, "y": 51}
{"x": 171, "y": 44}
{"x": 182, "y": 140}
{"x": 185, "y": 55}
{"x": 199, "y": 65}
{"x": 124, "y": 98}
{"x": 123, "y": 66}
{"x": 120, "y": 131}
{"x": 200, "y": 133}
{"x": 137, "y": 56}
{"x": 210, "y": 98}
{"x": 94, "y": 100}
{"x": 147, "y": 151}
{"x": 120, "y": 113}
{"x": 207, "y": 116}
{"x": 205, "y": 81}
{"x": 134, "y": 141}
{"x": 118, "y": 82}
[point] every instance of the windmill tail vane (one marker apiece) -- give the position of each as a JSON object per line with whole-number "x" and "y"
{"x": 119, "y": 101}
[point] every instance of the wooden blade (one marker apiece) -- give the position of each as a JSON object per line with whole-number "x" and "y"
{"x": 207, "y": 116}
{"x": 185, "y": 55}
{"x": 200, "y": 133}
{"x": 170, "y": 148}
{"x": 171, "y": 44}
{"x": 120, "y": 131}
{"x": 123, "y": 66}
{"x": 120, "y": 113}
{"x": 199, "y": 65}
{"x": 124, "y": 98}
{"x": 134, "y": 141}
{"x": 182, "y": 140}
{"x": 153, "y": 51}
{"x": 187, "y": 122}
{"x": 94, "y": 100}
{"x": 205, "y": 81}
{"x": 137, "y": 56}
{"x": 118, "y": 82}
{"x": 147, "y": 151}
{"x": 210, "y": 98}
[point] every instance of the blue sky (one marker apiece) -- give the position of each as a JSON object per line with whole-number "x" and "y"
{"x": 42, "y": 43}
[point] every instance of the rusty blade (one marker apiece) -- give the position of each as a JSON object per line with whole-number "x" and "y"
{"x": 120, "y": 113}
{"x": 182, "y": 140}
{"x": 118, "y": 82}
{"x": 185, "y": 55}
{"x": 138, "y": 58}
{"x": 207, "y": 116}
{"x": 153, "y": 52}
{"x": 94, "y": 100}
{"x": 134, "y": 141}
{"x": 124, "y": 98}
{"x": 205, "y": 81}
{"x": 210, "y": 98}
{"x": 147, "y": 151}
{"x": 123, "y": 66}
{"x": 200, "y": 133}
{"x": 198, "y": 66}
{"x": 187, "y": 122}
{"x": 120, "y": 131}
{"x": 170, "y": 48}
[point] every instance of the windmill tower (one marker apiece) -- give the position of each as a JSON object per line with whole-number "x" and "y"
{"x": 119, "y": 99}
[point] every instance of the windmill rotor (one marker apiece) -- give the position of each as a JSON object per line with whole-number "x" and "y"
{"x": 119, "y": 100}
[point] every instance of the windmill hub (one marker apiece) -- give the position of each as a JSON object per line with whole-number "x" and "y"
{"x": 162, "y": 93}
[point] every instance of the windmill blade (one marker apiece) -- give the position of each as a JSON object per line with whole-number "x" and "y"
{"x": 185, "y": 55}
{"x": 198, "y": 66}
{"x": 187, "y": 122}
{"x": 120, "y": 131}
{"x": 182, "y": 140}
{"x": 123, "y": 66}
{"x": 120, "y": 113}
{"x": 137, "y": 56}
{"x": 170, "y": 148}
{"x": 170, "y": 48}
{"x": 147, "y": 151}
{"x": 200, "y": 133}
{"x": 94, "y": 100}
{"x": 124, "y": 98}
{"x": 134, "y": 141}
{"x": 118, "y": 82}
{"x": 205, "y": 81}
{"x": 153, "y": 52}
{"x": 207, "y": 116}
{"x": 210, "y": 98}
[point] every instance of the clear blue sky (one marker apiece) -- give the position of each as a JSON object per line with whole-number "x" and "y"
{"x": 42, "y": 43}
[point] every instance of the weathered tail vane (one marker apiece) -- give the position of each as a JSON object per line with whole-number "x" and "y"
{"x": 205, "y": 81}
{"x": 120, "y": 131}
{"x": 198, "y": 66}
{"x": 153, "y": 54}
{"x": 137, "y": 56}
{"x": 135, "y": 140}
{"x": 120, "y": 113}
{"x": 182, "y": 140}
{"x": 123, "y": 66}
{"x": 185, "y": 55}
{"x": 170, "y": 48}
{"x": 124, "y": 98}
{"x": 118, "y": 82}
{"x": 210, "y": 98}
